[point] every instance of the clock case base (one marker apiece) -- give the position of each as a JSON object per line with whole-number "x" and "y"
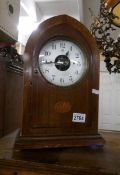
{"x": 55, "y": 142}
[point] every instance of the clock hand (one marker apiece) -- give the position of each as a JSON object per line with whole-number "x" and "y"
{"x": 75, "y": 62}
{"x": 67, "y": 53}
{"x": 45, "y": 62}
{"x": 51, "y": 62}
{"x": 59, "y": 62}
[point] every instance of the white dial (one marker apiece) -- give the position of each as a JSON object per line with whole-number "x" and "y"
{"x": 62, "y": 62}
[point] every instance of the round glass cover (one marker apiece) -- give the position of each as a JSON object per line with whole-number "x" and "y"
{"x": 62, "y": 62}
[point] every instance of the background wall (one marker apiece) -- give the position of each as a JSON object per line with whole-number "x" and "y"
{"x": 94, "y": 5}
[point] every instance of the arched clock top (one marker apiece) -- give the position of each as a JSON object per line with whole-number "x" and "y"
{"x": 60, "y": 27}
{"x": 49, "y": 29}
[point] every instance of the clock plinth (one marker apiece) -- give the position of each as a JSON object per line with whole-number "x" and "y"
{"x": 58, "y": 142}
{"x": 61, "y": 78}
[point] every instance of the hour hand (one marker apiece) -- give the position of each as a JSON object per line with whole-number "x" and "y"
{"x": 51, "y": 62}
{"x": 67, "y": 53}
{"x": 46, "y": 62}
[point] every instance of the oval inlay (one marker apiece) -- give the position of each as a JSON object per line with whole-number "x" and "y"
{"x": 62, "y": 106}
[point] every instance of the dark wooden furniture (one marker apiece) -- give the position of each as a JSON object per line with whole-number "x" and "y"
{"x": 62, "y": 161}
{"x": 48, "y": 109}
{"x": 11, "y": 91}
{"x": 2, "y": 92}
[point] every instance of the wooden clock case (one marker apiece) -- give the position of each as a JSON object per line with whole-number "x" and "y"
{"x": 48, "y": 109}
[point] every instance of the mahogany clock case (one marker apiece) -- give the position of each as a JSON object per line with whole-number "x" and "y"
{"x": 48, "y": 109}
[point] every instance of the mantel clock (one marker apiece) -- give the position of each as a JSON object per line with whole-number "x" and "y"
{"x": 61, "y": 82}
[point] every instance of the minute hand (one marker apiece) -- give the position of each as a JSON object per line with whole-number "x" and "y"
{"x": 57, "y": 63}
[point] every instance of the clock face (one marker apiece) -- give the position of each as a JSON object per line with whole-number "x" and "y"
{"x": 62, "y": 62}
